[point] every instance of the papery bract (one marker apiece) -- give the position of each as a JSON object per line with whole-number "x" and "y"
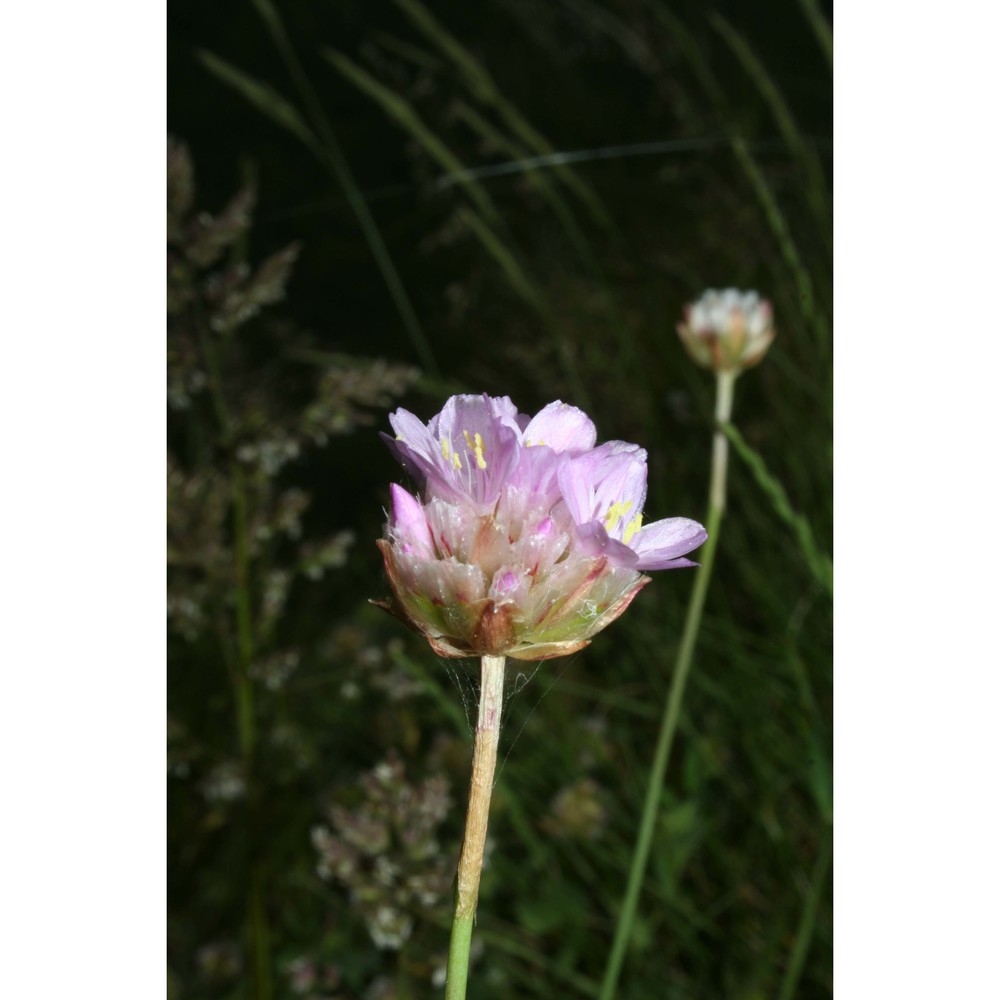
{"x": 526, "y": 539}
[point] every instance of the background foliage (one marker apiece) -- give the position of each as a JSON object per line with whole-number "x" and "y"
{"x": 363, "y": 210}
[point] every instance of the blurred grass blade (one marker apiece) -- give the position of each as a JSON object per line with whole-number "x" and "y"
{"x": 689, "y": 48}
{"x": 820, "y": 26}
{"x": 479, "y": 82}
{"x": 818, "y": 562}
{"x": 803, "y": 937}
{"x": 818, "y": 191}
{"x": 330, "y": 154}
{"x": 820, "y": 774}
{"x": 537, "y": 178}
{"x": 529, "y": 292}
{"x": 699, "y": 64}
{"x": 433, "y": 687}
{"x": 400, "y": 111}
{"x": 512, "y": 270}
{"x": 779, "y": 226}
{"x": 553, "y": 197}
{"x": 503, "y": 143}
{"x": 262, "y": 96}
{"x": 419, "y": 57}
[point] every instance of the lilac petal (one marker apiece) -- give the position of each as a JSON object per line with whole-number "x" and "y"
{"x": 595, "y": 541}
{"x": 409, "y": 521}
{"x": 577, "y": 491}
{"x": 415, "y": 463}
{"x": 467, "y": 451}
{"x": 474, "y": 413}
{"x": 659, "y": 545}
{"x": 562, "y": 427}
{"x": 413, "y": 440}
{"x": 410, "y": 428}
{"x": 478, "y": 439}
{"x": 537, "y": 471}
{"x": 614, "y": 473}
{"x": 623, "y": 489}
{"x": 414, "y": 447}
{"x": 677, "y": 564}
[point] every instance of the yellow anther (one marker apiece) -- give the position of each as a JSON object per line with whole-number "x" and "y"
{"x": 615, "y": 513}
{"x": 450, "y": 455}
{"x": 476, "y": 446}
{"x": 632, "y": 527}
{"x": 532, "y": 444}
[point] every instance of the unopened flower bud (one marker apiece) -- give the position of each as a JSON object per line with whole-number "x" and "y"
{"x": 727, "y": 331}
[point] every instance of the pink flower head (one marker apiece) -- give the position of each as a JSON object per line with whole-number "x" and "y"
{"x": 728, "y": 330}
{"x": 524, "y": 539}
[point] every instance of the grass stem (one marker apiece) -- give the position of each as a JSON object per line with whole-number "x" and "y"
{"x": 803, "y": 937}
{"x": 671, "y": 713}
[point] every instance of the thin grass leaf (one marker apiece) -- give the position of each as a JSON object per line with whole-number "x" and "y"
{"x": 539, "y": 957}
{"x": 782, "y": 233}
{"x": 495, "y": 247}
{"x": 818, "y": 562}
{"x": 468, "y": 115}
{"x": 431, "y": 685}
{"x": 553, "y": 197}
{"x": 401, "y": 112}
{"x": 618, "y": 29}
{"x": 820, "y": 774}
{"x": 331, "y": 155}
{"x": 817, "y": 186}
{"x": 526, "y": 289}
{"x": 691, "y": 51}
{"x": 804, "y": 935}
{"x": 820, "y": 26}
{"x": 537, "y": 178}
{"x": 481, "y": 85}
{"x": 413, "y": 54}
{"x": 261, "y": 95}
{"x": 699, "y": 64}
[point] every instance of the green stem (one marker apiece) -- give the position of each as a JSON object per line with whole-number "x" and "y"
{"x": 258, "y": 934}
{"x": 804, "y": 936}
{"x": 260, "y": 938}
{"x": 244, "y": 616}
{"x": 470, "y": 865}
{"x": 672, "y": 708}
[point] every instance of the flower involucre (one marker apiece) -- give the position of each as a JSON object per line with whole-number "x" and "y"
{"x": 728, "y": 330}
{"x": 525, "y": 539}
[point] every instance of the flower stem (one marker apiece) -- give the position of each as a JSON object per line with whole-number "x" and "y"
{"x": 257, "y": 930}
{"x": 672, "y": 707}
{"x": 803, "y": 938}
{"x": 470, "y": 866}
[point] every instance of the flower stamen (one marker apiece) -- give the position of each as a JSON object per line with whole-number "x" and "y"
{"x": 632, "y": 527}
{"x": 477, "y": 447}
{"x": 615, "y": 513}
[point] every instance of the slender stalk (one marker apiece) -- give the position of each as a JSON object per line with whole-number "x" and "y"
{"x": 803, "y": 938}
{"x": 257, "y": 930}
{"x": 470, "y": 865}
{"x": 672, "y": 708}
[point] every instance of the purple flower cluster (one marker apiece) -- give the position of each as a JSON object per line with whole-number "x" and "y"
{"x": 526, "y": 538}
